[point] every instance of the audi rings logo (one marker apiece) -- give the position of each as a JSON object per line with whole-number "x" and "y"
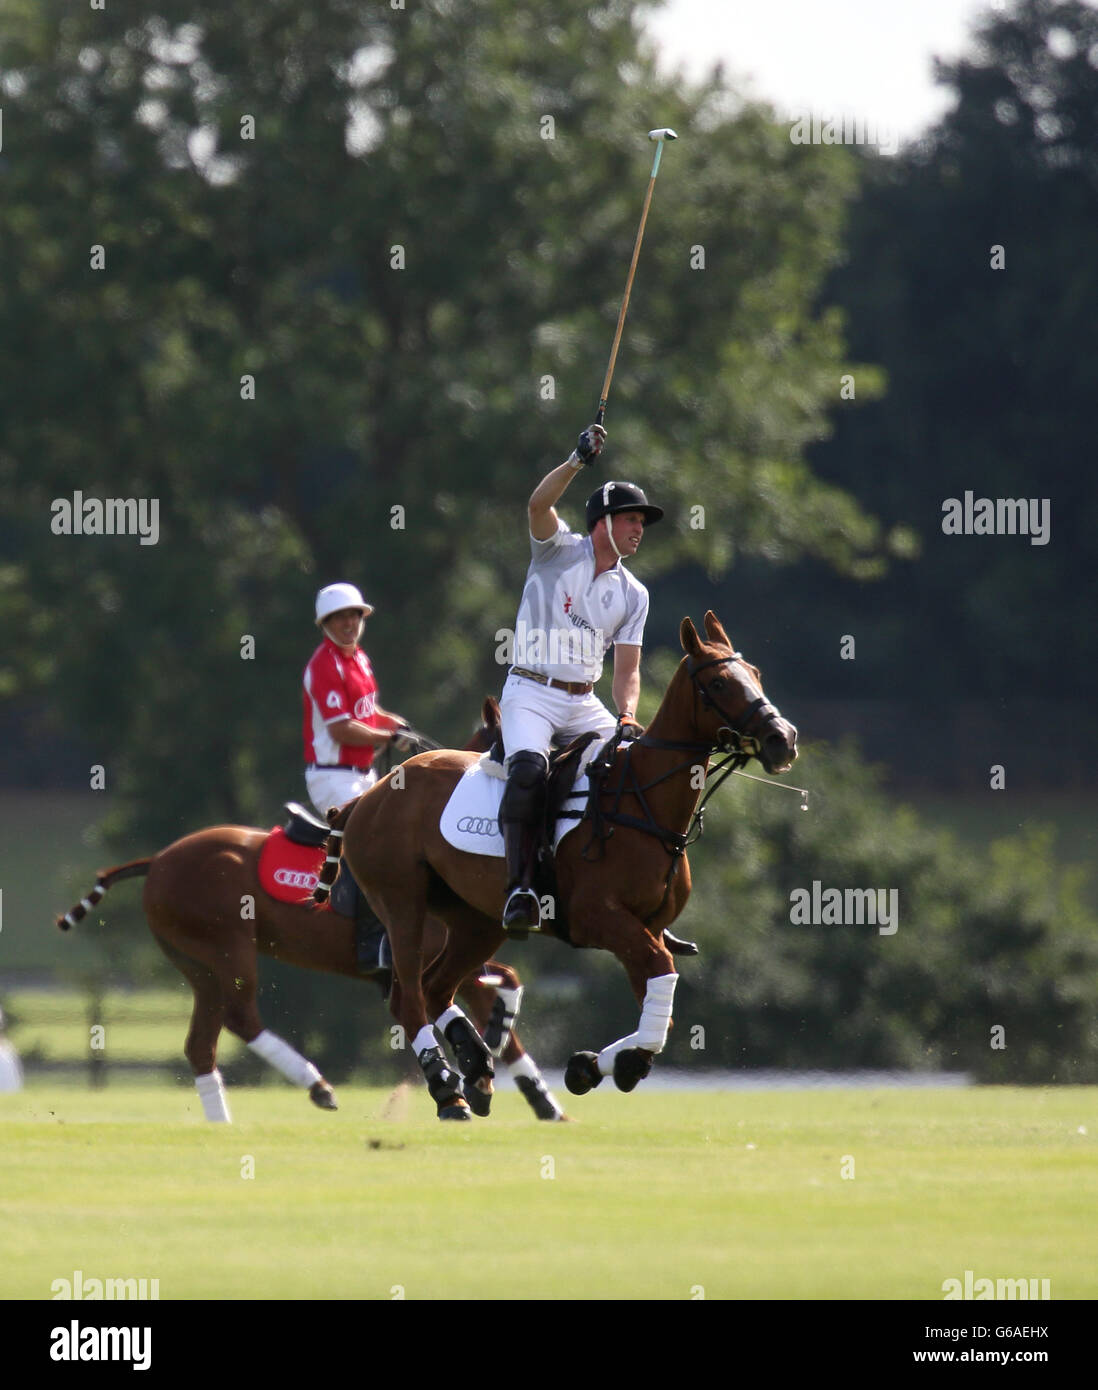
{"x": 478, "y": 825}
{"x": 296, "y": 878}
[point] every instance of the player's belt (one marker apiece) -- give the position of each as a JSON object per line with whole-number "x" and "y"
{"x": 572, "y": 687}
{"x": 333, "y": 767}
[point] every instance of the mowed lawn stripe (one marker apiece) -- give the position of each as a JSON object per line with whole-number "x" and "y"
{"x": 655, "y": 1195}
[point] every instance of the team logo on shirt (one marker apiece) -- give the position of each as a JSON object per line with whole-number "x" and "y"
{"x": 364, "y": 707}
{"x": 577, "y": 621}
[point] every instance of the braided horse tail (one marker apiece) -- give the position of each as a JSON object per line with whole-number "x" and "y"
{"x": 338, "y": 817}
{"x": 106, "y": 878}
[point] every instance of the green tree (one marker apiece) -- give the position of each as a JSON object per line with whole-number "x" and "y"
{"x": 360, "y": 214}
{"x": 988, "y": 387}
{"x": 978, "y": 942}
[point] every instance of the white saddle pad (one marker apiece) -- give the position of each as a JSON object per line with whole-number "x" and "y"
{"x": 470, "y": 821}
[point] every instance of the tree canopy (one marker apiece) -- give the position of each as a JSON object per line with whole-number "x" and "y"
{"x": 413, "y": 262}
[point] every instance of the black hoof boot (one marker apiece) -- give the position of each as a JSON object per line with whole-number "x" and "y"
{"x": 320, "y": 1093}
{"x": 582, "y": 1073}
{"x": 475, "y": 1061}
{"x": 444, "y": 1085}
{"x": 540, "y": 1099}
{"x": 631, "y": 1066}
{"x": 478, "y": 1095}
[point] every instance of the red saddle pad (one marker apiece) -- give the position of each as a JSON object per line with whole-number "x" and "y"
{"x": 289, "y": 871}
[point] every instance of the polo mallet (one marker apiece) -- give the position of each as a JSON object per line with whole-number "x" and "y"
{"x": 666, "y": 133}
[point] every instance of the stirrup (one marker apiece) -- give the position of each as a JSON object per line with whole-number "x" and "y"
{"x": 522, "y": 912}
{"x": 372, "y": 947}
{"x": 678, "y": 947}
{"x": 374, "y": 955}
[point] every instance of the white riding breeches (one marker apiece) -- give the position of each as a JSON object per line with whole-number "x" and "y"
{"x": 335, "y": 786}
{"x": 531, "y": 714}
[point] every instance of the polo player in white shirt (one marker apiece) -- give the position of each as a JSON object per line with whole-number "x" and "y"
{"x": 579, "y": 600}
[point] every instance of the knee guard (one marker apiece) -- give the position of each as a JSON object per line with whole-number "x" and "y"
{"x": 524, "y": 796}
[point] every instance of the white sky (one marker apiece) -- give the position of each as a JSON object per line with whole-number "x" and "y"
{"x": 869, "y": 59}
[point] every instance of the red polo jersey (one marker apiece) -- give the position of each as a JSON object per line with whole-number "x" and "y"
{"x": 338, "y": 687}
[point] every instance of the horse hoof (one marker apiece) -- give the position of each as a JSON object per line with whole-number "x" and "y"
{"x": 480, "y": 1102}
{"x": 443, "y": 1082}
{"x": 552, "y": 1113}
{"x": 631, "y": 1066}
{"x": 582, "y": 1073}
{"x": 458, "y": 1111}
{"x": 320, "y": 1093}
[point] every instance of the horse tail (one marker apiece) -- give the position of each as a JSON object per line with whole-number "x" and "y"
{"x": 337, "y": 819}
{"x": 106, "y": 878}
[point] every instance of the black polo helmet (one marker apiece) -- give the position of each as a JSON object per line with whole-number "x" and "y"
{"x": 620, "y": 497}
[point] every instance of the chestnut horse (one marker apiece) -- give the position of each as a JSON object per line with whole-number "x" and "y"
{"x": 616, "y": 890}
{"x": 193, "y": 895}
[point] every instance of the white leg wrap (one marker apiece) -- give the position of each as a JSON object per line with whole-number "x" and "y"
{"x": 655, "y": 1021}
{"x": 445, "y": 1019}
{"x": 607, "y": 1055}
{"x": 211, "y": 1092}
{"x": 424, "y": 1039}
{"x": 525, "y": 1067}
{"x": 295, "y": 1068}
{"x": 504, "y": 1012}
{"x": 512, "y": 1002}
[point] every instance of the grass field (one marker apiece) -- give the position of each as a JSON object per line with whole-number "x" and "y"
{"x": 658, "y": 1195}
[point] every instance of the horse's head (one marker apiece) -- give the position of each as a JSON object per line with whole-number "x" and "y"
{"x": 729, "y": 707}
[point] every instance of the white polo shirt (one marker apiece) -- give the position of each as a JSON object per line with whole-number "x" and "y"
{"x": 568, "y": 619}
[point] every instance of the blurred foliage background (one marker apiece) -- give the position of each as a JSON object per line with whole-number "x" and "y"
{"x": 362, "y": 268}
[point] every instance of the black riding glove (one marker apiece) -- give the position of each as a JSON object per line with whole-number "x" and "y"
{"x": 590, "y": 444}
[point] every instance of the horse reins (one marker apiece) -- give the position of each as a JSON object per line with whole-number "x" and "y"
{"x": 677, "y": 842}
{"x": 760, "y": 709}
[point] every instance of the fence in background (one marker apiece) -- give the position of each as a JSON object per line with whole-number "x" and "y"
{"x": 97, "y": 1031}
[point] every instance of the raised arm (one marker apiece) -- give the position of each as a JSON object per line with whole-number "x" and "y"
{"x": 541, "y": 509}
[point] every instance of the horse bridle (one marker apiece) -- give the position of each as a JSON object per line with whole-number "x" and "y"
{"x": 757, "y": 711}
{"x": 737, "y": 753}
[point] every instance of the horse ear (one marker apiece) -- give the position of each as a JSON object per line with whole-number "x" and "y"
{"x": 715, "y": 630}
{"x": 490, "y": 712}
{"x": 688, "y": 636}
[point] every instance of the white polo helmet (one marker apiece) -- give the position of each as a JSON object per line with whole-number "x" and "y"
{"x": 337, "y": 597}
